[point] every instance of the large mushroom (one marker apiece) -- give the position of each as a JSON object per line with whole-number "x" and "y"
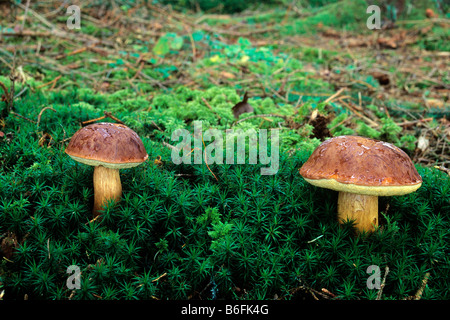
{"x": 109, "y": 147}
{"x": 361, "y": 169}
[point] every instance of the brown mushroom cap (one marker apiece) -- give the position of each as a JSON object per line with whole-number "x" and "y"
{"x": 110, "y": 145}
{"x": 361, "y": 165}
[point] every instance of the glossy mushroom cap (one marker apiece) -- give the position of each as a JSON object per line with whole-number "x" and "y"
{"x": 110, "y": 145}
{"x": 361, "y": 165}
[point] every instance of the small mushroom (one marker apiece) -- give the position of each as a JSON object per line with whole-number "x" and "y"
{"x": 361, "y": 169}
{"x": 109, "y": 147}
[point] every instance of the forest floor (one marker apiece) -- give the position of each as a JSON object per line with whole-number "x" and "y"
{"x": 391, "y": 83}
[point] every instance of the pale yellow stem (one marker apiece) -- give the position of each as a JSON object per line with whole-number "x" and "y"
{"x": 107, "y": 186}
{"x": 362, "y": 209}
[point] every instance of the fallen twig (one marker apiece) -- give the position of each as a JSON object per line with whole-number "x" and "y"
{"x": 106, "y": 115}
{"x": 409, "y": 123}
{"x": 21, "y": 116}
{"x": 35, "y": 14}
{"x": 383, "y": 283}
{"x": 419, "y": 292}
{"x": 44, "y": 137}
{"x": 5, "y": 89}
{"x": 357, "y": 113}
{"x": 74, "y": 52}
{"x": 443, "y": 169}
{"x": 40, "y": 114}
{"x": 161, "y": 276}
{"x": 210, "y": 108}
{"x": 206, "y": 161}
{"x": 260, "y": 116}
{"x": 331, "y": 98}
{"x": 52, "y": 82}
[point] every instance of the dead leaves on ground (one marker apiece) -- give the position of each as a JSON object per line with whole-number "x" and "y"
{"x": 389, "y": 38}
{"x": 242, "y": 107}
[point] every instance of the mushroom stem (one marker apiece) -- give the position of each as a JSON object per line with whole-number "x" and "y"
{"x": 363, "y": 209}
{"x": 107, "y": 186}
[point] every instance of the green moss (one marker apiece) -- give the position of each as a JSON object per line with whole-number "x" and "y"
{"x": 339, "y": 15}
{"x": 366, "y": 131}
{"x": 245, "y": 229}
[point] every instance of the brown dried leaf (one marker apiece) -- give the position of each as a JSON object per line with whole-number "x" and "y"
{"x": 387, "y": 42}
{"x": 430, "y": 13}
{"x": 434, "y": 103}
{"x": 8, "y": 245}
{"x": 383, "y": 78}
{"x": 242, "y": 107}
{"x": 227, "y": 75}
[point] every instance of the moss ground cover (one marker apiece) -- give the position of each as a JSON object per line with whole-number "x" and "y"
{"x": 221, "y": 231}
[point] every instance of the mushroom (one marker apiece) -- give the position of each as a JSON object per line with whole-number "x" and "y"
{"x": 361, "y": 169}
{"x": 109, "y": 147}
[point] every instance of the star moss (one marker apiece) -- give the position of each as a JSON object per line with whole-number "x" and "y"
{"x": 179, "y": 229}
